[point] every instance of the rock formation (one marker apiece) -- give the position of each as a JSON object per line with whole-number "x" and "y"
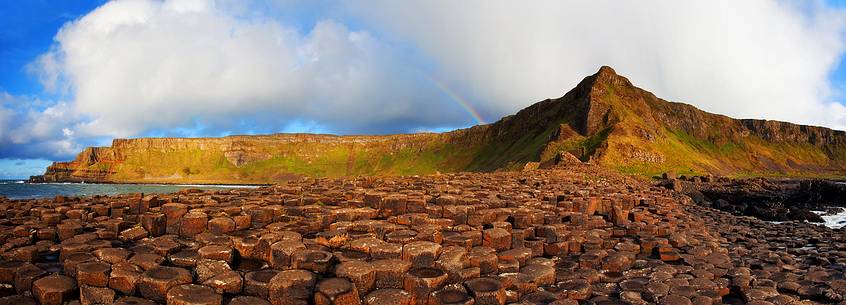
{"x": 579, "y": 235}
{"x": 604, "y": 119}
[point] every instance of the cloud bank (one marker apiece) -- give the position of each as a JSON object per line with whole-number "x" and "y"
{"x": 186, "y": 67}
{"x": 747, "y": 59}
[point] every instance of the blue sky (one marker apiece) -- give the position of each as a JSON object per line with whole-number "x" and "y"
{"x": 26, "y": 30}
{"x": 219, "y": 67}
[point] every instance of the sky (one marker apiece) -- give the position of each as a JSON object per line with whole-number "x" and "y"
{"x": 81, "y": 73}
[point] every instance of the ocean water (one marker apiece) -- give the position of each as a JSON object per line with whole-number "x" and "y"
{"x": 835, "y": 221}
{"x": 18, "y": 189}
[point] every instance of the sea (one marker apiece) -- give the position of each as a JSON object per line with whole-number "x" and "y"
{"x": 835, "y": 221}
{"x": 19, "y": 189}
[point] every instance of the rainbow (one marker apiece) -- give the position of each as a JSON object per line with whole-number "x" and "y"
{"x": 462, "y": 102}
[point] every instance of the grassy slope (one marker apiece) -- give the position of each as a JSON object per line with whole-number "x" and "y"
{"x": 687, "y": 154}
{"x": 288, "y": 160}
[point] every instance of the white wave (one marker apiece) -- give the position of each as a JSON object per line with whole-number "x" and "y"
{"x": 835, "y": 221}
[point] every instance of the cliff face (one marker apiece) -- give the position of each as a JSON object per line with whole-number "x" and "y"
{"x": 604, "y": 119}
{"x": 263, "y": 159}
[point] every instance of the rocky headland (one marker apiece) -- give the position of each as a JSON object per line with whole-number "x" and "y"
{"x": 769, "y": 199}
{"x": 604, "y": 120}
{"x": 575, "y": 235}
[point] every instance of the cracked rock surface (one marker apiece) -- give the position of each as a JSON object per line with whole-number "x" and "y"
{"x": 580, "y": 235}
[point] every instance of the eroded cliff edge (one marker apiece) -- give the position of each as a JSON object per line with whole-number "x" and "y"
{"x": 604, "y": 119}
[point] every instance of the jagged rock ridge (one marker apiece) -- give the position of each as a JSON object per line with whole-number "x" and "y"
{"x": 604, "y": 119}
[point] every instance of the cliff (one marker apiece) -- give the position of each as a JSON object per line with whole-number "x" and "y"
{"x": 604, "y": 119}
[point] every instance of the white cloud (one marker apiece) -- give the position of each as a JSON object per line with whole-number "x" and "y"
{"x": 136, "y": 67}
{"x": 29, "y": 132}
{"x": 140, "y": 65}
{"x": 756, "y": 59}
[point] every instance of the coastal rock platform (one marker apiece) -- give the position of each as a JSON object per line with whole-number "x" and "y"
{"x": 580, "y": 235}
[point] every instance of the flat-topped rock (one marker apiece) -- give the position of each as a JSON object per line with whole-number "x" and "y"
{"x": 336, "y": 291}
{"x": 292, "y": 287}
{"x": 156, "y": 282}
{"x": 192, "y": 294}
{"x": 54, "y": 289}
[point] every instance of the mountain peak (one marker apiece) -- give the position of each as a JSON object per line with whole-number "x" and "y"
{"x": 606, "y": 70}
{"x": 607, "y": 74}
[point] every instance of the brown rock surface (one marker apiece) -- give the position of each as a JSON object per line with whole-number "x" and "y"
{"x": 532, "y": 237}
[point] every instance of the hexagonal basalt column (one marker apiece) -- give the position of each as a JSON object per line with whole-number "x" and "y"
{"x": 192, "y": 294}
{"x": 421, "y": 253}
{"x": 421, "y": 282}
{"x": 388, "y": 297}
{"x": 155, "y": 283}
{"x": 360, "y": 273}
{"x": 292, "y": 287}
{"x": 193, "y": 223}
{"x": 315, "y": 260}
{"x": 336, "y": 291}
{"x": 256, "y": 282}
{"x": 93, "y": 274}
{"x": 486, "y": 291}
{"x": 54, "y": 290}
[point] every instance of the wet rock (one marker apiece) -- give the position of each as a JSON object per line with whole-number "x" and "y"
{"x": 388, "y": 297}
{"x": 112, "y": 255}
{"x": 256, "y": 282}
{"x": 133, "y": 301}
{"x": 93, "y": 274}
{"x": 193, "y": 223}
{"x": 192, "y": 294}
{"x": 54, "y": 290}
{"x": 389, "y": 273}
{"x": 575, "y": 289}
{"x": 360, "y": 273}
{"x": 89, "y": 295}
{"x": 124, "y": 278}
{"x": 17, "y": 300}
{"x": 314, "y": 260}
{"x": 421, "y": 254}
{"x": 133, "y": 234}
{"x": 282, "y": 251}
{"x": 421, "y": 282}
{"x": 222, "y": 225}
{"x": 227, "y": 282}
{"x": 217, "y": 252}
{"x": 336, "y": 291}
{"x": 26, "y": 276}
{"x": 155, "y": 282}
{"x": 291, "y": 287}
{"x": 451, "y": 296}
{"x": 675, "y": 300}
{"x": 8, "y": 270}
{"x": 147, "y": 261}
{"x": 497, "y": 238}
{"x": 247, "y": 300}
{"x": 486, "y": 291}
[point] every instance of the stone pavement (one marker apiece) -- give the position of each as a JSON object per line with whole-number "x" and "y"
{"x": 576, "y": 236}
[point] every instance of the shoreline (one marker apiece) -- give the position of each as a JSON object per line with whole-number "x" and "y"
{"x": 150, "y": 183}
